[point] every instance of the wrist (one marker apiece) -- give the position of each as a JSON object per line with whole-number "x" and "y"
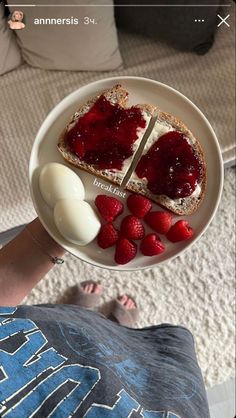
{"x": 40, "y": 234}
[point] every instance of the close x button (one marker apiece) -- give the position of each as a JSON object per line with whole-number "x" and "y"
{"x": 223, "y": 20}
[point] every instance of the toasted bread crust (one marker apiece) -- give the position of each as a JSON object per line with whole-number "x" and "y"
{"x": 117, "y": 95}
{"x": 182, "y": 206}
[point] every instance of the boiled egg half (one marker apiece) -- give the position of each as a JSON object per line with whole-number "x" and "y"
{"x": 76, "y": 221}
{"x": 56, "y": 182}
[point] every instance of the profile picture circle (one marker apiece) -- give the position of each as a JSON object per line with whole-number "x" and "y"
{"x": 15, "y": 20}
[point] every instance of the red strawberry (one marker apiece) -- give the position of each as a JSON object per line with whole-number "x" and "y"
{"x": 107, "y": 236}
{"x": 152, "y": 245}
{"x": 132, "y": 228}
{"x": 138, "y": 205}
{"x": 159, "y": 221}
{"x": 180, "y": 231}
{"x": 125, "y": 251}
{"x": 109, "y": 207}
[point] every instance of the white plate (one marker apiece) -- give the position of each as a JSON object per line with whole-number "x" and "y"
{"x": 141, "y": 90}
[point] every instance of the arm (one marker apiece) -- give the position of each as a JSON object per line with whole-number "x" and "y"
{"x": 23, "y": 263}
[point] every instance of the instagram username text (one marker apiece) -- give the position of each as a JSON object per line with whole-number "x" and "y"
{"x": 65, "y": 21}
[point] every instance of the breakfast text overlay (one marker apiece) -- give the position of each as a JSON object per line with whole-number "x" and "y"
{"x": 110, "y": 188}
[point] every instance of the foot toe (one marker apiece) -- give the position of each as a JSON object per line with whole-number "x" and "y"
{"x": 91, "y": 288}
{"x": 129, "y": 304}
{"x": 123, "y": 299}
{"x": 86, "y": 288}
{"x": 97, "y": 288}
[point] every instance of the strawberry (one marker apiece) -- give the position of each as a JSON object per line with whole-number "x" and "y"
{"x": 152, "y": 245}
{"x": 107, "y": 236}
{"x": 109, "y": 207}
{"x": 126, "y": 250}
{"x": 159, "y": 221}
{"x": 180, "y": 231}
{"x": 138, "y": 205}
{"x": 132, "y": 228}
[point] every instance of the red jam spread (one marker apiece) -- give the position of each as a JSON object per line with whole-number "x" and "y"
{"x": 171, "y": 166}
{"x": 105, "y": 135}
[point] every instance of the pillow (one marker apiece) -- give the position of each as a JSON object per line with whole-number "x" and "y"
{"x": 69, "y": 38}
{"x": 175, "y": 25}
{"x": 9, "y": 51}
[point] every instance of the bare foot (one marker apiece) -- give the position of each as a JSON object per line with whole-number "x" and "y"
{"x": 91, "y": 287}
{"x": 86, "y": 294}
{"x": 128, "y": 302}
{"x": 127, "y": 314}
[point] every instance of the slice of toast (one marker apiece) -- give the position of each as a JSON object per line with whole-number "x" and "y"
{"x": 117, "y": 95}
{"x": 183, "y": 205}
